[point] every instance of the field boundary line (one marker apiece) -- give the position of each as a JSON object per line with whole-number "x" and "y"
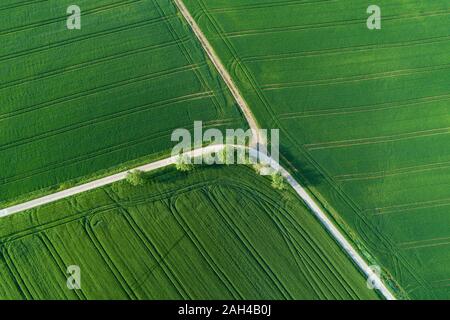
{"x": 301, "y": 192}
{"x": 340, "y": 23}
{"x": 220, "y": 69}
{"x": 354, "y": 78}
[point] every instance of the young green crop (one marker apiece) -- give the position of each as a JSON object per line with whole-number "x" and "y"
{"x": 362, "y": 116}
{"x": 98, "y": 103}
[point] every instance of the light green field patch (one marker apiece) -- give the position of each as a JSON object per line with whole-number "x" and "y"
{"x": 363, "y": 116}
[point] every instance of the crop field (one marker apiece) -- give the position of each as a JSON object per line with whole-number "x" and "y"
{"x": 363, "y": 114}
{"x": 78, "y": 103}
{"x": 216, "y": 232}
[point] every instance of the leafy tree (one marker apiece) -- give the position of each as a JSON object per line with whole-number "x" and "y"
{"x": 262, "y": 168}
{"x": 64, "y": 186}
{"x": 136, "y": 178}
{"x": 278, "y": 181}
{"x": 184, "y": 164}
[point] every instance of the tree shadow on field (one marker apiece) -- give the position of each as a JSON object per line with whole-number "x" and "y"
{"x": 308, "y": 175}
{"x": 164, "y": 177}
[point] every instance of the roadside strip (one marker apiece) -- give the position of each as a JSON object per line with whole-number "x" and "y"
{"x": 101, "y": 182}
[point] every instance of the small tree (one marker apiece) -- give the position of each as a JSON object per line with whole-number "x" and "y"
{"x": 278, "y": 181}
{"x": 184, "y": 164}
{"x": 64, "y": 186}
{"x": 262, "y": 168}
{"x": 136, "y": 178}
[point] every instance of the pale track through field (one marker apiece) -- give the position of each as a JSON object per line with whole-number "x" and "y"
{"x": 402, "y": 208}
{"x": 320, "y": 214}
{"x": 377, "y": 140}
{"x": 365, "y": 108}
{"x": 354, "y": 78}
{"x": 268, "y": 5}
{"x": 221, "y": 69}
{"x": 244, "y": 33}
{"x": 391, "y": 173}
{"x": 341, "y": 50}
{"x": 301, "y": 192}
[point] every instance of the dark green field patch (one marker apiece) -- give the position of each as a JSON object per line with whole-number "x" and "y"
{"x": 75, "y": 104}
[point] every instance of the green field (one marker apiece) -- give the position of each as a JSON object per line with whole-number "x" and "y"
{"x": 364, "y": 116}
{"x": 80, "y": 103}
{"x": 221, "y": 233}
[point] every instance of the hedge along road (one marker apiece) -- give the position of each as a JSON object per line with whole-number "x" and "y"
{"x": 320, "y": 214}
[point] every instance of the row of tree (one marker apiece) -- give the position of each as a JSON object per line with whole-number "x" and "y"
{"x": 183, "y": 164}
